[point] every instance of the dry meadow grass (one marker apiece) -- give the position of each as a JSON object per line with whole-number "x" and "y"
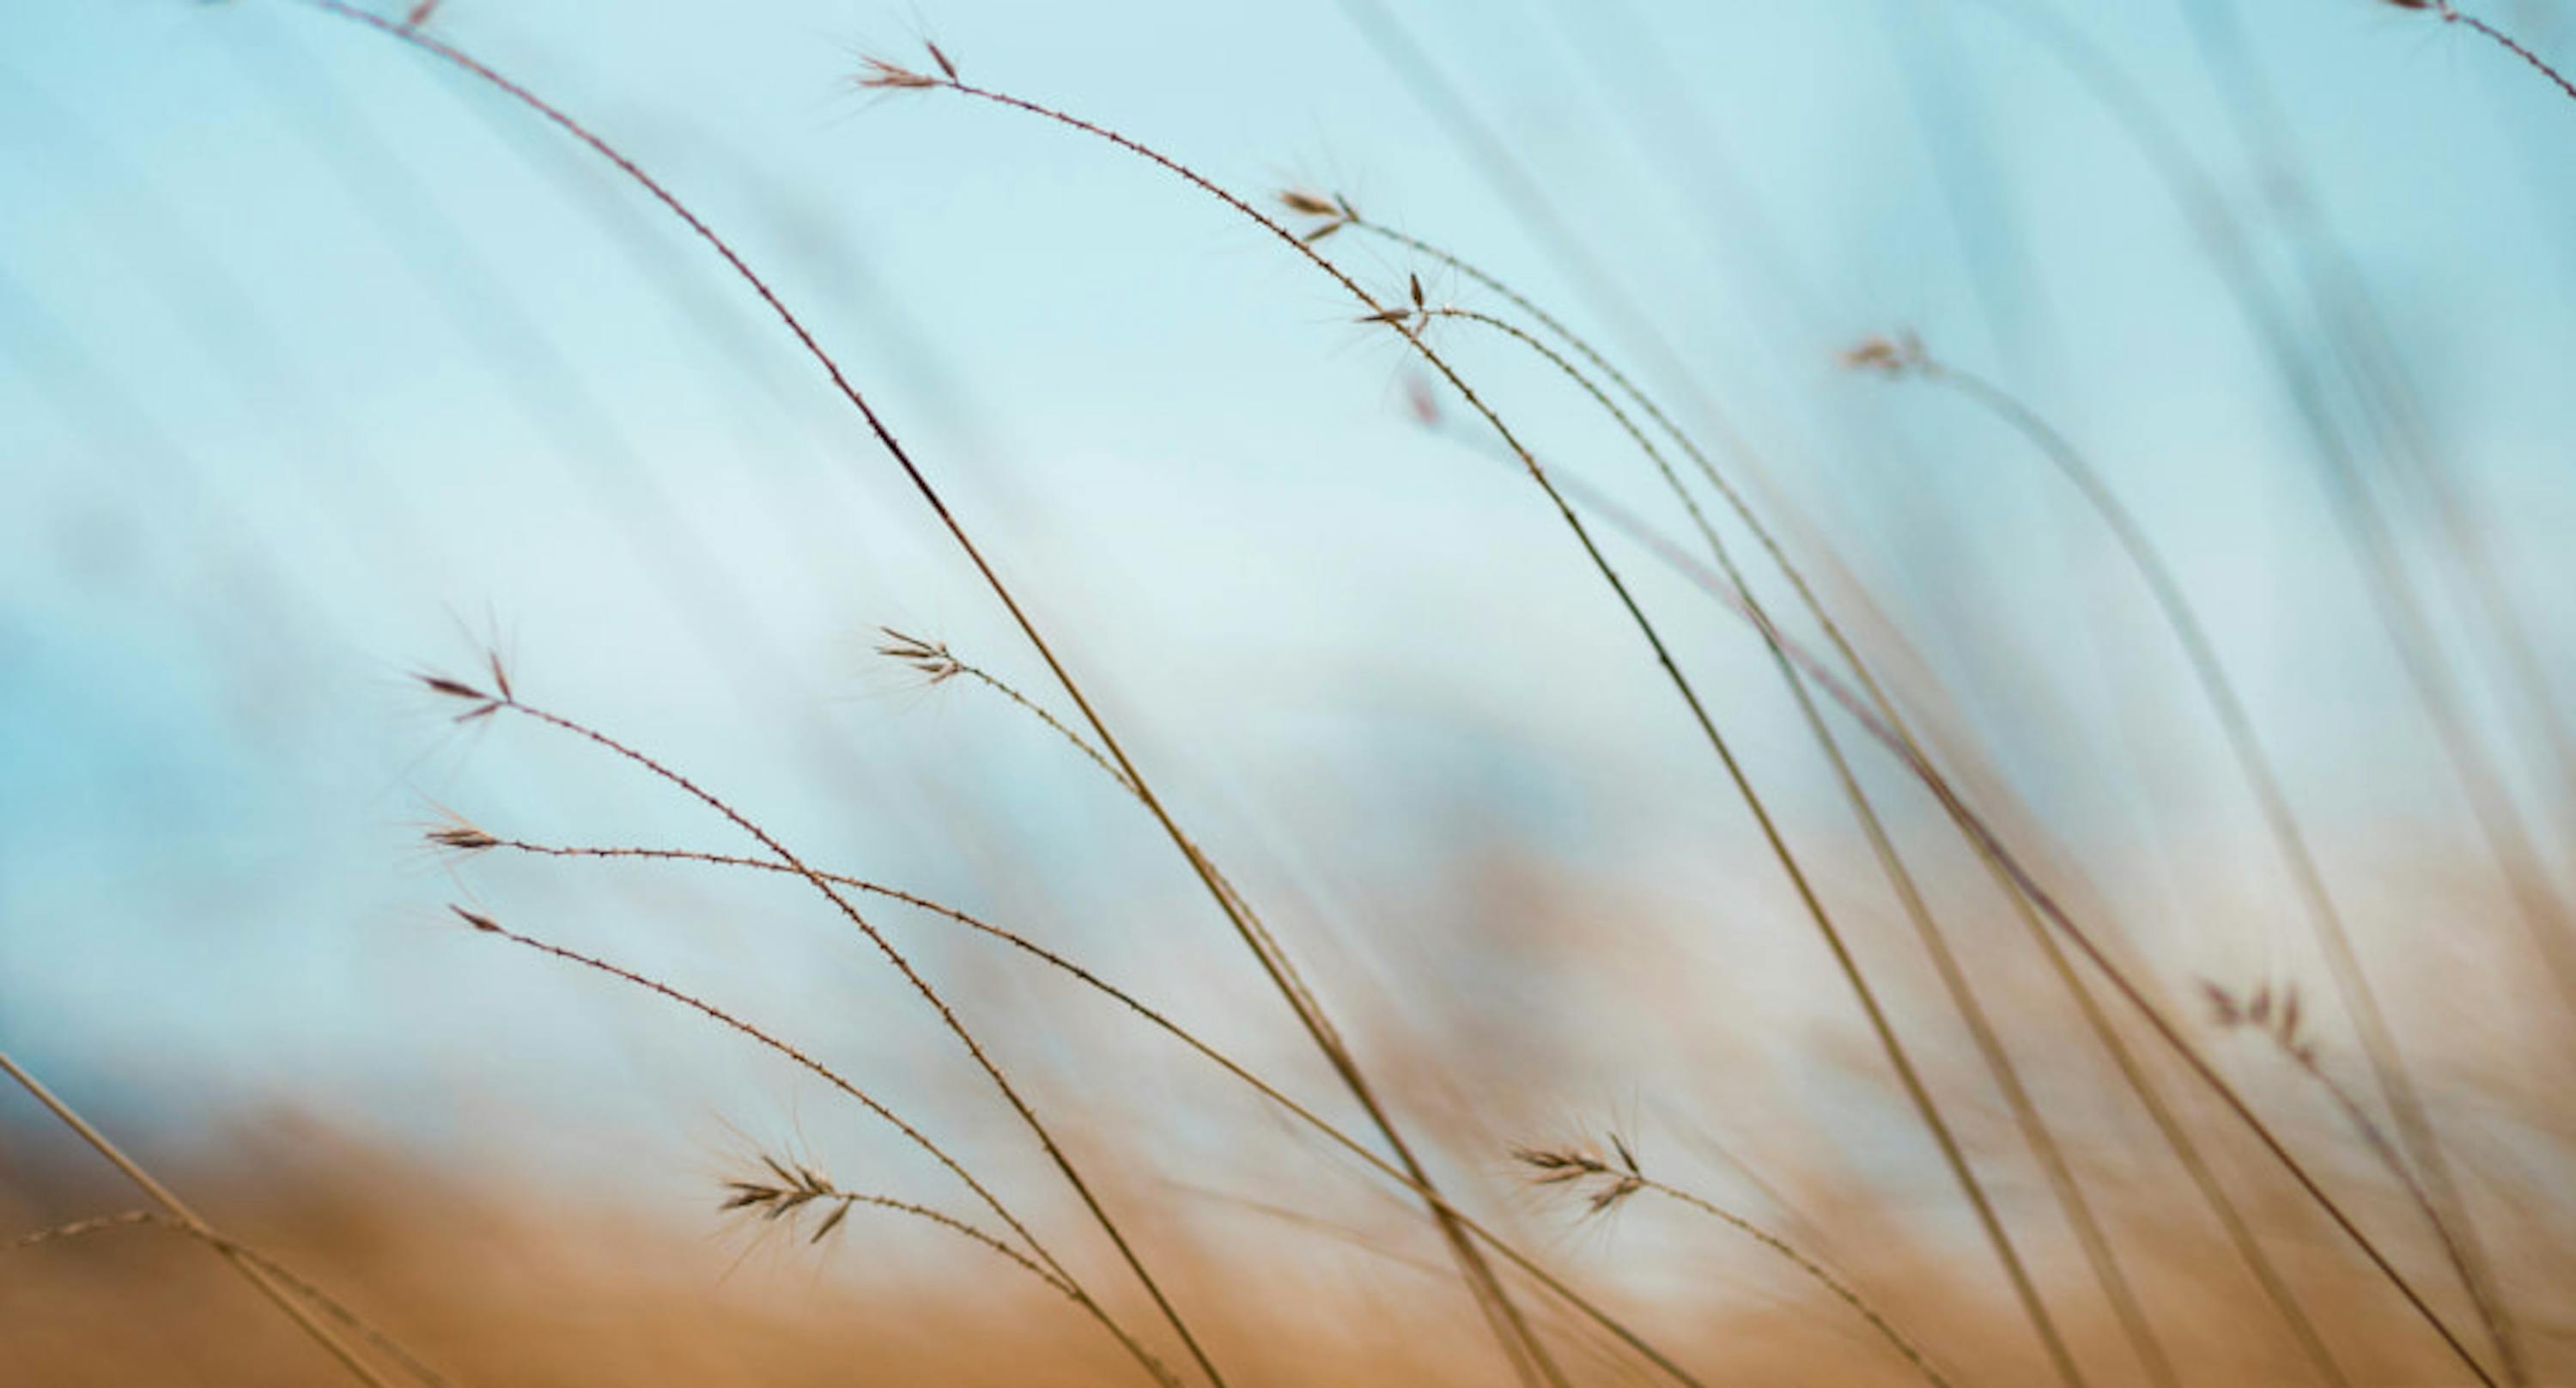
{"x": 2118, "y": 1174}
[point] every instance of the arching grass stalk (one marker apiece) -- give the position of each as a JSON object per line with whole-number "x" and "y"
{"x": 2063, "y": 1184}
{"x": 2543, "y": 915}
{"x": 1605, "y": 1186}
{"x": 482, "y": 703}
{"x": 1528, "y": 1353}
{"x": 469, "y": 839}
{"x": 934, "y": 660}
{"x": 1891, "y": 729}
{"x": 1880, "y": 716}
{"x": 2448, "y": 13}
{"x": 792, "y": 1188}
{"x": 1406, "y": 325}
{"x": 539, "y": 378}
{"x": 2382, "y": 381}
{"x": 2278, "y": 1020}
{"x": 1495, "y": 159}
{"x": 266, "y": 1281}
{"x": 2367, "y": 532}
{"x": 938, "y": 664}
{"x": 300, "y": 1285}
{"x": 2352, "y": 982}
{"x": 476, "y": 840}
{"x": 1351, "y": 1235}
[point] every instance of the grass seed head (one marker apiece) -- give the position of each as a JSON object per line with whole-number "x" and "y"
{"x": 1574, "y": 1166}
{"x": 2277, "y": 1016}
{"x": 462, "y": 837}
{"x": 483, "y": 705}
{"x": 1627, "y": 1157}
{"x": 931, "y": 658}
{"x": 1555, "y": 1164}
{"x": 830, "y": 1222}
{"x": 789, "y": 1188}
{"x": 1307, "y": 204}
{"x": 451, "y": 688}
{"x": 877, "y": 73}
{"x": 1334, "y": 212}
{"x": 1891, "y": 355}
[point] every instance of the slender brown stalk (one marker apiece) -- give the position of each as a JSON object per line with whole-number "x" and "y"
{"x": 1882, "y": 719}
{"x": 482, "y": 704}
{"x": 2542, "y": 913}
{"x": 81, "y": 1228}
{"x": 2397, "y": 1085}
{"x": 1407, "y": 327}
{"x": 1368, "y": 1241}
{"x": 2037, "y": 908}
{"x": 2381, "y": 377}
{"x": 260, "y": 1277}
{"x": 2278, "y": 1018}
{"x": 1610, "y": 1185}
{"x": 2444, "y": 11}
{"x": 2232, "y": 1220}
{"x": 330, "y": 1305}
{"x": 475, "y": 840}
{"x": 2366, "y": 530}
{"x": 1497, "y": 161}
{"x": 1056, "y": 1271}
{"x": 798, "y": 1188}
{"x": 935, "y": 660}
{"x": 2336, "y": 281}
{"x": 2045, "y": 902}
{"x": 2069, "y": 1193}
{"x": 1524, "y": 1347}
{"x": 2027, "y": 884}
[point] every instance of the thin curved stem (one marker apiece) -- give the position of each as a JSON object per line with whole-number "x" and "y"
{"x": 1518, "y": 1341}
{"x": 960, "y": 1227}
{"x": 1071, "y": 738}
{"x": 1395, "y": 319}
{"x": 1056, "y": 1271}
{"x": 2037, "y": 908}
{"x": 2450, "y": 15}
{"x": 797, "y": 1188}
{"x": 95, "y": 1224}
{"x": 2279, "y": 1023}
{"x": 1074, "y": 739}
{"x": 2069, "y": 1193}
{"x": 2336, "y": 282}
{"x": 233, "y": 1248}
{"x": 2366, "y": 530}
{"x": 1842, "y": 1292}
{"x": 2255, "y": 765}
{"x": 1159, "y": 1020}
{"x": 947, "y": 1016}
{"x": 1612, "y": 1185}
{"x": 250, "y": 1269}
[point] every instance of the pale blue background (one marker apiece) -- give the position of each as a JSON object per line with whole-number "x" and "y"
{"x": 318, "y": 363}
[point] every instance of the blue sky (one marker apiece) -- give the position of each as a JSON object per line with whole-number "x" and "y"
{"x": 318, "y": 363}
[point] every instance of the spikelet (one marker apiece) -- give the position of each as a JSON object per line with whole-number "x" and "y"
{"x": 879, "y": 74}
{"x": 931, "y": 658}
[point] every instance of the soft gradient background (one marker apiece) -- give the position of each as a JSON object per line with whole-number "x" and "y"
{"x": 319, "y": 364}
